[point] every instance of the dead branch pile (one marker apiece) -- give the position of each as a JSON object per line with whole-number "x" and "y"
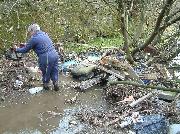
{"x": 123, "y": 95}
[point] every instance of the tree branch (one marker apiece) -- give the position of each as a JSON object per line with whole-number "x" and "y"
{"x": 166, "y": 7}
{"x": 169, "y": 23}
{"x": 145, "y": 86}
{"x": 172, "y": 15}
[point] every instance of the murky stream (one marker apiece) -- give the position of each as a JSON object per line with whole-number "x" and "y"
{"x": 47, "y": 111}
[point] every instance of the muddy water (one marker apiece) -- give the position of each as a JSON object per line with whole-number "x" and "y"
{"x": 45, "y": 111}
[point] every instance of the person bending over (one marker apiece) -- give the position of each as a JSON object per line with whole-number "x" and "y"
{"x": 48, "y": 57}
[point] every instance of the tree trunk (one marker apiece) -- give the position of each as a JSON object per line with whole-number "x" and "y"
{"x": 124, "y": 28}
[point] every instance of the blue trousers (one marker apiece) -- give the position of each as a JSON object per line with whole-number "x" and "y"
{"x": 48, "y": 64}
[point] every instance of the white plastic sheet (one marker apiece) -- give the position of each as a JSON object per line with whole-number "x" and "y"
{"x": 35, "y": 90}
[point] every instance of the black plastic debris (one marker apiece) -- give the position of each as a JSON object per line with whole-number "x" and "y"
{"x": 10, "y": 54}
{"x": 152, "y": 124}
{"x": 89, "y": 83}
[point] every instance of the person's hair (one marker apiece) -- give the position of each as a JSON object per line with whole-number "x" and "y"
{"x": 33, "y": 27}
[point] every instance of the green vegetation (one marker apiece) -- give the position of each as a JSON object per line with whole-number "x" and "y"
{"x": 130, "y": 24}
{"x": 98, "y": 43}
{"x": 107, "y": 42}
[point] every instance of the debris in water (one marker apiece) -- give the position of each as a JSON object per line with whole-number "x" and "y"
{"x": 53, "y": 113}
{"x": 72, "y": 100}
{"x": 18, "y": 84}
{"x": 35, "y": 90}
{"x": 2, "y": 98}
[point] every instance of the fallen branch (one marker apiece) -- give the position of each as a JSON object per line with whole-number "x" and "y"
{"x": 145, "y": 86}
{"x": 134, "y": 103}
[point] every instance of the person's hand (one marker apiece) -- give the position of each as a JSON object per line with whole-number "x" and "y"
{"x": 22, "y": 45}
{"x": 14, "y": 48}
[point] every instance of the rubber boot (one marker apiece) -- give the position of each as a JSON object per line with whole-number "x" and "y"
{"x": 56, "y": 87}
{"x": 45, "y": 86}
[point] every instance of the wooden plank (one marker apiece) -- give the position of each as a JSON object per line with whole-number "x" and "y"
{"x": 111, "y": 72}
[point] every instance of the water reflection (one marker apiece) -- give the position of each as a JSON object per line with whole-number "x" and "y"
{"x": 25, "y": 131}
{"x": 69, "y": 124}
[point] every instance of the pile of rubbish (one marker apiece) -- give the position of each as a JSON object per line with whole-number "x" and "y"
{"x": 111, "y": 65}
{"x": 133, "y": 110}
{"x": 145, "y": 97}
{"x": 17, "y": 75}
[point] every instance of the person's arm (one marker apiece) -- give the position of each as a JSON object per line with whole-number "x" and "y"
{"x": 27, "y": 47}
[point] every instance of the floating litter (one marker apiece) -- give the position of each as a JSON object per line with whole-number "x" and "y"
{"x": 35, "y": 90}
